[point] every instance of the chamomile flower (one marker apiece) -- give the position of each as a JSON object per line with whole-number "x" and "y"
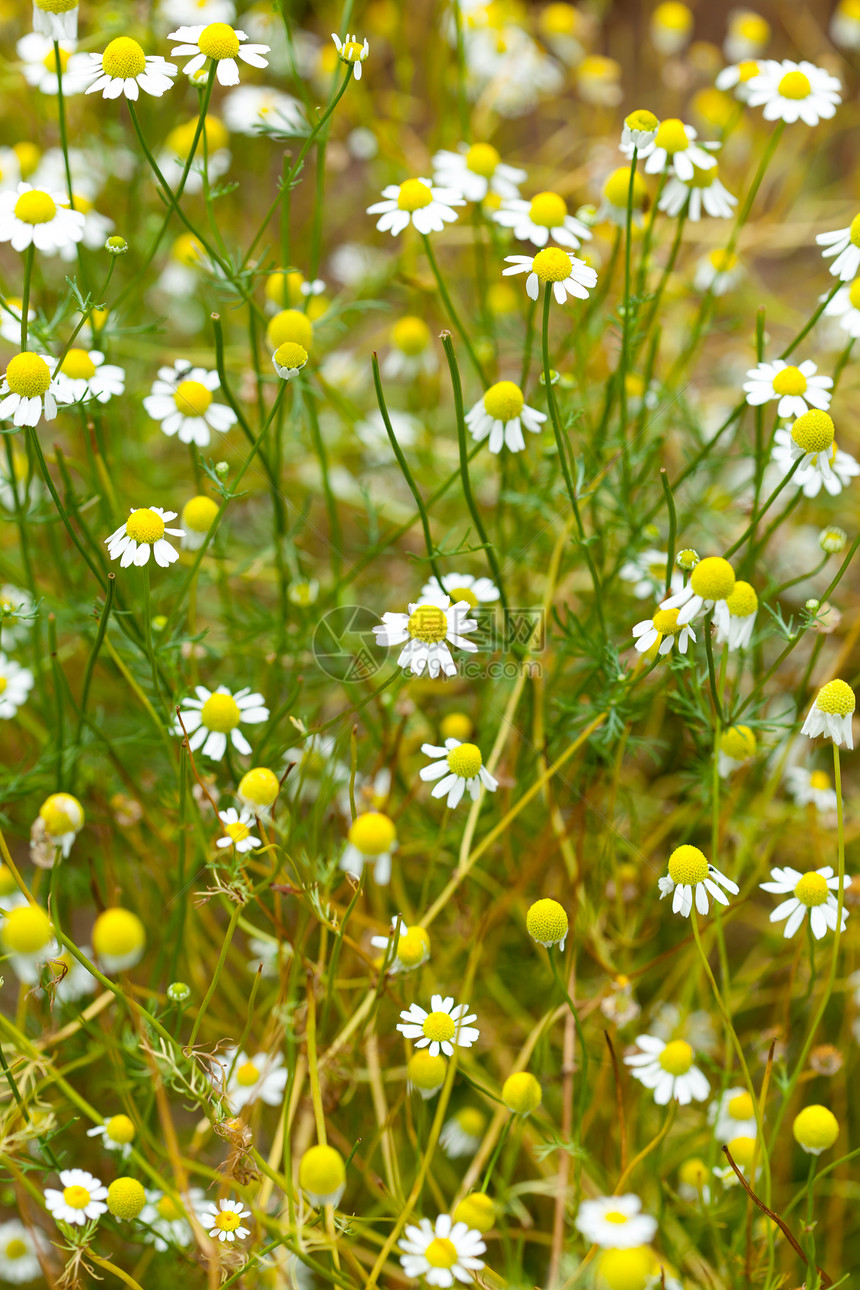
{"x": 351, "y": 52}
{"x": 61, "y": 817}
{"x": 733, "y": 1115}
{"x": 615, "y": 1222}
{"x": 639, "y": 132}
{"x": 372, "y": 836}
{"x": 616, "y": 193}
{"x": 703, "y": 193}
{"x": 844, "y": 244}
{"x": 124, "y": 70}
{"x": 412, "y": 950}
{"x": 84, "y": 375}
{"x": 831, "y": 470}
{"x": 500, "y": 414}
{"x": 747, "y": 34}
{"x": 142, "y": 536}
{"x": 462, "y": 586}
{"x": 262, "y": 1076}
{"x": 237, "y": 831}
{"x": 181, "y": 400}
{"x": 545, "y": 218}
{"x": 668, "y": 1070}
{"x": 322, "y": 1175}
{"x": 737, "y": 745}
{"x": 446, "y": 1027}
{"x": 811, "y": 787}
{"x": 815, "y": 1129}
{"x": 737, "y": 77}
{"x": 197, "y": 517}
{"x": 26, "y": 936}
{"x": 690, "y": 874}
{"x": 425, "y": 632}
{"x": 57, "y": 19}
{"x": 671, "y": 27}
{"x": 32, "y": 216}
{"x": 442, "y": 1253}
{"x": 457, "y": 767}
{"x": 19, "y": 1252}
{"x": 81, "y": 1199}
{"x": 547, "y": 923}
{"x": 662, "y": 632}
{"x": 40, "y": 64}
{"x": 257, "y": 109}
{"x": 797, "y": 389}
{"x": 710, "y": 583}
{"x": 811, "y": 892}
{"x": 418, "y": 202}
{"x": 117, "y": 1134}
{"x": 832, "y": 714}
{"x": 289, "y": 359}
{"x": 475, "y": 170}
{"x": 675, "y": 151}
{"x": 425, "y": 1075}
{"x": 735, "y": 616}
{"x": 29, "y": 390}
{"x": 567, "y": 275}
{"x": 213, "y": 717}
{"x": 717, "y": 272}
{"x": 845, "y": 306}
{"x": 463, "y": 1133}
{"x": 224, "y": 1221}
{"x": 119, "y": 939}
{"x": 16, "y": 682}
{"x": 411, "y": 352}
{"x": 220, "y": 43}
{"x": 258, "y": 791}
{"x": 845, "y": 25}
{"x": 647, "y": 573}
{"x": 69, "y": 980}
{"x": 165, "y": 1219}
{"x": 792, "y": 92}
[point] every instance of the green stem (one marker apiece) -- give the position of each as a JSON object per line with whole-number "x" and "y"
{"x": 219, "y": 967}
{"x": 452, "y": 312}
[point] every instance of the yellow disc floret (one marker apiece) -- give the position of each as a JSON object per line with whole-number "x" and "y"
{"x": 438, "y": 1027}
{"x": 322, "y": 1171}
{"x": 441, "y": 1253}
{"x": 259, "y": 786}
{"x": 742, "y": 601}
{"x": 672, "y": 136}
{"x": 198, "y": 514}
{"x": 482, "y": 159}
{"x": 456, "y": 725}
{"x": 617, "y": 187}
{"x": 145, "y": 526}
{"x": 795, "y": 85}
{"x": 78, "y": 365}
{"x": 814, "y": 431}
{"x": 192, "y": 398}
{"x": 413, "y": 195}
{"x": 410, "y": 335}
{"x": 465, "y": 760}
{"x": 28, "y": 375}
{"x": 743, "y": 1150}
{"x": 626, "y": 1269}
{"x": 120, "y": 1129}
{"x": 521, "y": 1093}
{"x": 836, "y": 697}
{"x": 218, "y": 40}
{"x": 688, "y": 865}
{"x": 677, "y": 1057}
{"x": 741, "y": 1107}
{"x": 673, "y": 16}
{"x": 35, "y": 207}
{"x": 552, "y": 264}
{"x": 642, "y": 120}
{"x": 76, "y": 1197}
{"x": 713, "y": 578}
{"x": 815, "y": 1129}
{"x": 428, "y": 623}
{"x": 291, "y": 356}
{"x": 789, "y": 381}
{"x": 471, "y": 1121}
{"x": 118, "y": 932}
{"x": 290, "y": 324}
{"x": 738, "y": 742}
{"x": 62, "y": 814}
{"x": 694, "y": 1172}
{"x": 26, "y": 930}
{"x": 812, "y": 890}
{"x": 372, "y": 833}
{"x": 547, "y": 922}
{"x": 477, "y": 1211}
{"x": 665, "y": 621}
{"x": 413, "y": 947}
{"x": 548, "y": 210}
{"x": 504, "y": 400}
{"x": 123, "y": 59}
{"x": 220, "y": 712}
{"x": 247, "y": 1074}
{"x": 426, "y": 1072}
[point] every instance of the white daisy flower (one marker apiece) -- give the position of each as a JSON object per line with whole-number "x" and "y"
{"x": 81, "y": 1199}
{"x": 412, "y": 950}
{"x": 457, "y": 767}
{"x": 797, "y": 388}
{"x": 794, "y": 92}
{"x": 662, "y": 631}
{"x": 425, "y": 633}
{"x": 844, "y": 243}
{"x": 615, "y": 196}
{"x": 29, "y": 390}
{"x": 258, "y": 109}
{"x": 704, "y": 192}
{"x": 463, "y": 1133}
{"x": 124, "y": 69}
{"x": 289, "y": 359}
{"x": 811, "y": 787}
{"x": 210, "y": 161}
{"x": 31, "y": 216}
{"x": 372, "y": 837}
{"x": 668, "y": 1070}
{"x": 57, "y": 19}
{"x": 568, "y": 275}
{"x": 181, "y": 399}
{"x": 647, "y": 573}
{"x": 615, "y": 1222}
{"x": 19, "y": 1252}
{"x": 221, "y": 43}
{"x": 418, "y": 202}
{"x": 737, "y": 77}
{"x": 462, "y": 586}
{"x": 638, "y": 133}
{"x": 811, "y": 441}
{"x": 247, "y": 1078}
{"x": 442, "y": 1029}
{"x": 72, "y": 981}
{"x": 675, "y": 151}
{"x": 845, "y": 25}
{"x": 411, "y": 352}
{"x": 84, "y": 375}
{"x": 39, "y": 64}
{"x": 710, "y": 583}
{"x": 811, "y": 892}
{"x": 500, "y": 414}
{"x": 441, "y": 1253}
{"x": 475, "y": 170}
{"x": 16, "y": 682}
{"x": 845, "y": 306}
{"x": 117, "y": 1134}
{"x": 735, "y": 617}
{"x": 691, "y": 874}
{"x": 142, "y": 536}
{"x": 717, "y": 272}
{"x": 747, "y": 34}
{"x": 10, "y": 314}
{"x": 166, "y": 1219}
{"x": 733, "y": 1115}
{"x": 841, "y": 467}
{"x": 224, "y": 1221}
{"x": 832, "y": 714}
{"x": 215, "y": 715}
{"x": 352, "y": 53}
{"x": 237, "y": 831}
{"x": 542, "y": 219}
{"x": 173, "y": 12}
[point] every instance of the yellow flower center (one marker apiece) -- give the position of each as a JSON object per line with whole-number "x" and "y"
{"x": 145, "y": 526}
{"x": 615, "y": 1216}
{"x": 694, "y": 1172}
{"x": 743, "y": 1150}
{"x": 722, "y": 261}
{"x": 814, "y": 431}
{"x": 182, "y": 136}
{"x": 220, "y": 712}
{"x": 463, "y": 593}
{"x": 794, "y": 85}
{"x": 482, "y": 159}
{"x": 674, "y": 16}
{"x": 428, "y": 623}
{"x": 51, "y": 60}
{"x": 812, "y": 890}
{"x": 666, "y": 622}
{"x": 228, "y": 1220}
{"x": 617, "y": 187}
{"x": 439, "y": 1026}
{"x": 742, "y": 601}
{"x": 789, "y": 381}
{"x": 704, "y": 178}
{"x": 413, "y": 195}
{"x": 854, "y": 293}
{"x": 35, "y": 207}
{"x": 819, "y": 779}
{"x": 218, "y": 40}
{"x": 168, "y": 1209}
{"x": 120, "y": 1129}
{"x": 688, "y": 865}
{"x": 198, "y": 514}
{"x": 410, "y": 335}
{"x": 741, "y": 1107}
{"x": 441, "y": 1253}
{"x": 854, "y": 231}
{"x": 238, "y": 832}
{"x": 78, "y": 365}
{"x": 351, "y": 51}
{"x": 123, "y": 59}
{"x": 247, "y": 1074}
{"x": 552, "y": 264}
{"x": 16, "y": 1249}
{"x": 471, "y": 1121}
{"x": 713, "y": 578}
{"x": 546, "y": 921}
{"x": 747, "y": 69}
{"x": 56, "y": 6}
{"x": 672, "y": 136}
{"x": 548, "y": 210}
{"x": 290, "y": 324}
{"x": 118, "y": 932}
{"x": 76, "y": 1197}
{"x": 290, "y": 355}
{"x": 413, "y": 947}
{"x": 504, "y": 401}
{"x": 751, "y": 26}
{"x": 642, "y": 120}
{"x": 816, "y": 1128}
{"x": 3, "y": 684}
{"x": 26, "y": 930}
{"x": 836, "y": 697}
{"x": 192, "y": 398}
{"x": 677, "y": 1057}
{"x": 28, "y": 375}
{"x": 465, "y": 760}
{"x": 738, "y": 742}
{"x": 372, "y": 833}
